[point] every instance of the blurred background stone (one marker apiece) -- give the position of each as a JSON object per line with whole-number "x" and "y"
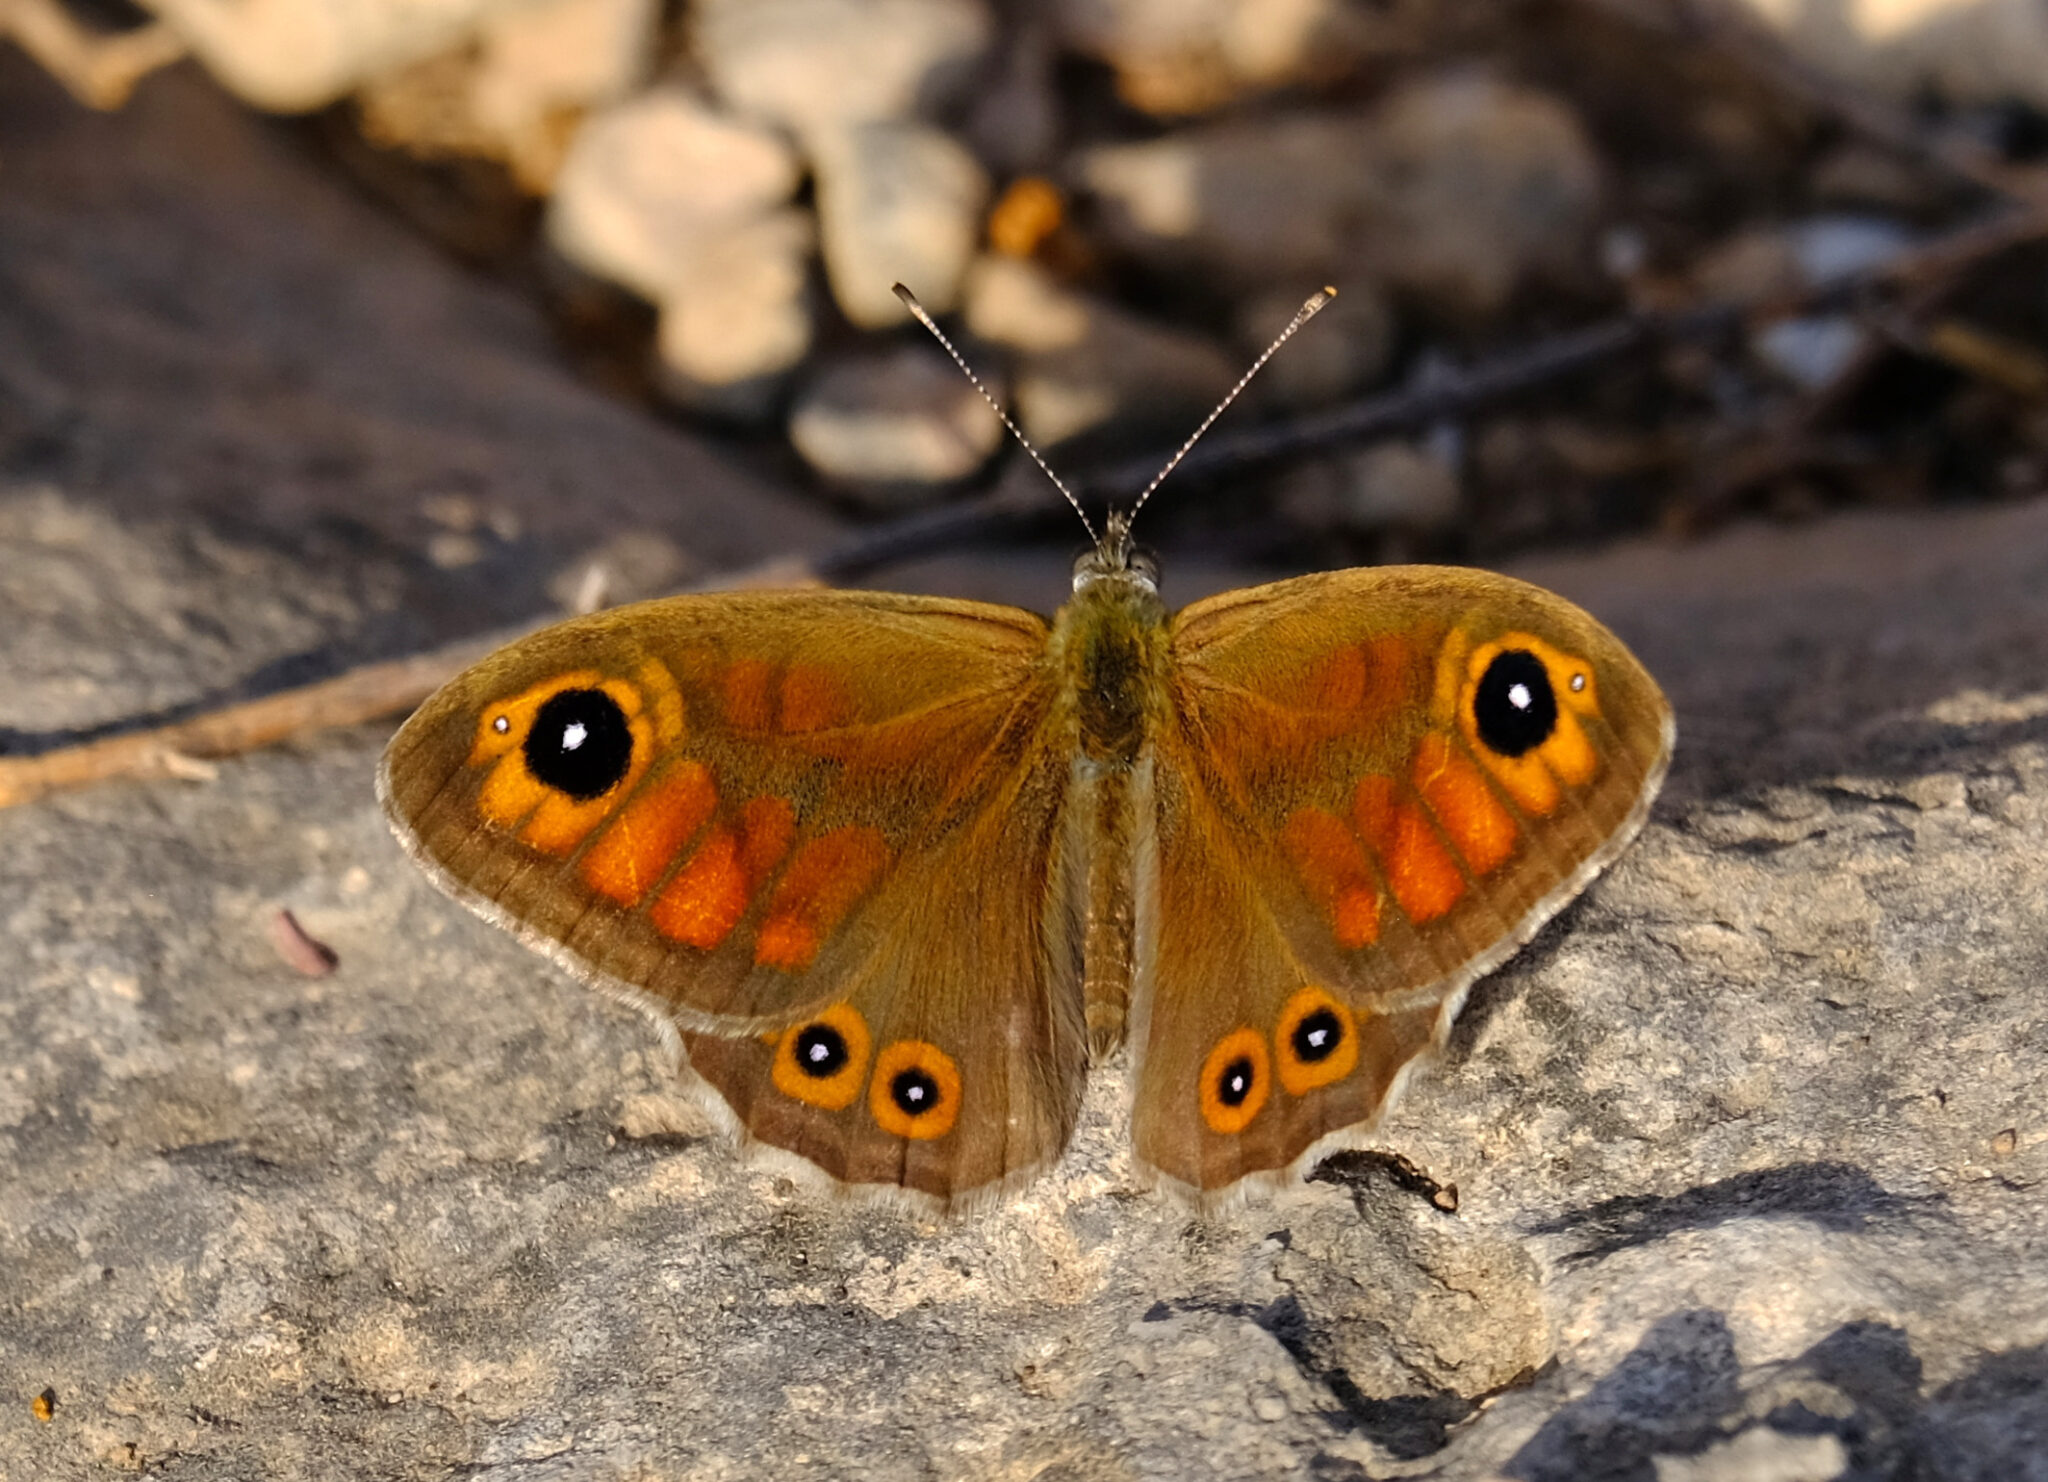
{"x": 649, "y": 181}
{"x": 893, "y": 428}
{"x": 897, "y": 203}
{"x": 812, "y": 64}
{"x": 1971, "y": 50}
{"x": 1179, "y": 57}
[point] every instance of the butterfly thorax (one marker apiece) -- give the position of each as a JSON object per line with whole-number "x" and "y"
{"x": 1110, "y": 641}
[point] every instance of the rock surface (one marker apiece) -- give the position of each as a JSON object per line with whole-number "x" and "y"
{"x": 1749, "y": 1146}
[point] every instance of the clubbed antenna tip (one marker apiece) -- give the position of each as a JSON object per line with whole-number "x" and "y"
{"x": 918, "y": 311}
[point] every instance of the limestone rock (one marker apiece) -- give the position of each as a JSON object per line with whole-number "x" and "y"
{"x": 896, "y": 427}
{"x": 897, "y": 203}
{"x": 809, "y": 64}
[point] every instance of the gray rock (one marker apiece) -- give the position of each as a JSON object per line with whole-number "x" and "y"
{"x": 897, "y": 203}
{"x": 1747, "y": 1146}
{"x": 810, "y": 64}
{"x": 894, "y": 428}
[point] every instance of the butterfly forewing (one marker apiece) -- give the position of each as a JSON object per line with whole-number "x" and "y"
{"x": 780, "y": 815}
{"x": 1371, "y": 787}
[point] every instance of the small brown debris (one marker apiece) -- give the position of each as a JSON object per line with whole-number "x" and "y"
{"x": 2006, "y": 1143}
{"x": 301, "y": 951}
{"x": 1028, "y": 212}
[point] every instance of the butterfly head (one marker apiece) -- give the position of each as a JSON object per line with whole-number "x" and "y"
{"x": 1117, "y": 558}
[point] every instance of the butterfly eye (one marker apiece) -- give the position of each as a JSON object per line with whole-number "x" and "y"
{"x": 1514, "y": 707}
{"x": 1317, "y": 1041}
{"x": 822, "y": 1063}
{"x": 916, "y": 1090}
{"x": 1235, "y": 1081}
{"x": 579, "y": 743}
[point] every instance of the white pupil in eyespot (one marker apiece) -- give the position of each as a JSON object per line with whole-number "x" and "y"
{"x": 820, "y": 1053}
{"x": 574, "y": 735}
{"x": 502, "y": 724}
{"x": 1316, "y": 1037}
{"x": 913, "y": 1092}
{"x": 1519, "y": 696}
{"x": 1578, "y": 683}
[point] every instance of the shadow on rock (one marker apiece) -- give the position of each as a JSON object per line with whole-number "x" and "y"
{"x": 1834, "y": 1196}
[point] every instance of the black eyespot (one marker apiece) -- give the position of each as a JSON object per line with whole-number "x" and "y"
{"x": 821, "y": 1051}
{"x": 1235, "y": 1084}
{"x": 914, "y": 1092}
{"x": 580, "y": 744}
{"x": 1317, "y": 1036}
{"x": 1514, "y": 707}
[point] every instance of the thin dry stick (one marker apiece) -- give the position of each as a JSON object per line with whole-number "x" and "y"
{"x": 166, "y": 751}
{"x": 384, "y": 689}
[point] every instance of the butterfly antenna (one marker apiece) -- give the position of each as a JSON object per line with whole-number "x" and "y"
{"x": 1313, "y": 306}
{"x": 910, "y": 302}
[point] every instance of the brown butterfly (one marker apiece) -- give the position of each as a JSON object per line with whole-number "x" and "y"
{"x": 900, "y": 868}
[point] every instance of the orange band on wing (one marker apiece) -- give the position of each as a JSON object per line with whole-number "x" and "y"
{"x": 1424, "y": 878}
{"x": 828, "y": 875}
{"x": 640, "y": 844}
{"x": 1473, "y": 819}
{"x": 706, "y": 899}
{"x": 813, "y": 699}
{"x": 1333, "y": 869}
{"x": 744, "y": 689}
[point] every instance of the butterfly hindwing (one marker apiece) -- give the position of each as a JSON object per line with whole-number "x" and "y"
{"x": 775, "y": 816}
{"x": 1371, "y": 787}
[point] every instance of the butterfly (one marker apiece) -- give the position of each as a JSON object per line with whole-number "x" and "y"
{"x": 900, "y": 869}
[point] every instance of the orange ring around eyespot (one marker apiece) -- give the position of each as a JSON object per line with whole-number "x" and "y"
{"x": 1239, "y": 1044}
{"x": 942, "y": 1079}
{"x": 1301, "y": 1076}
{"x": 838, "y": 1089}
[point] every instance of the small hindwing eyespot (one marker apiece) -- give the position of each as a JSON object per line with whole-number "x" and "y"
{"x": 579, "y": 743}
{"x": 823, "y": 1061}
{"x": 1316, "y": 1041}
{"x": 915, "y": 1091}
{"x": 1235, "y": 1081}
